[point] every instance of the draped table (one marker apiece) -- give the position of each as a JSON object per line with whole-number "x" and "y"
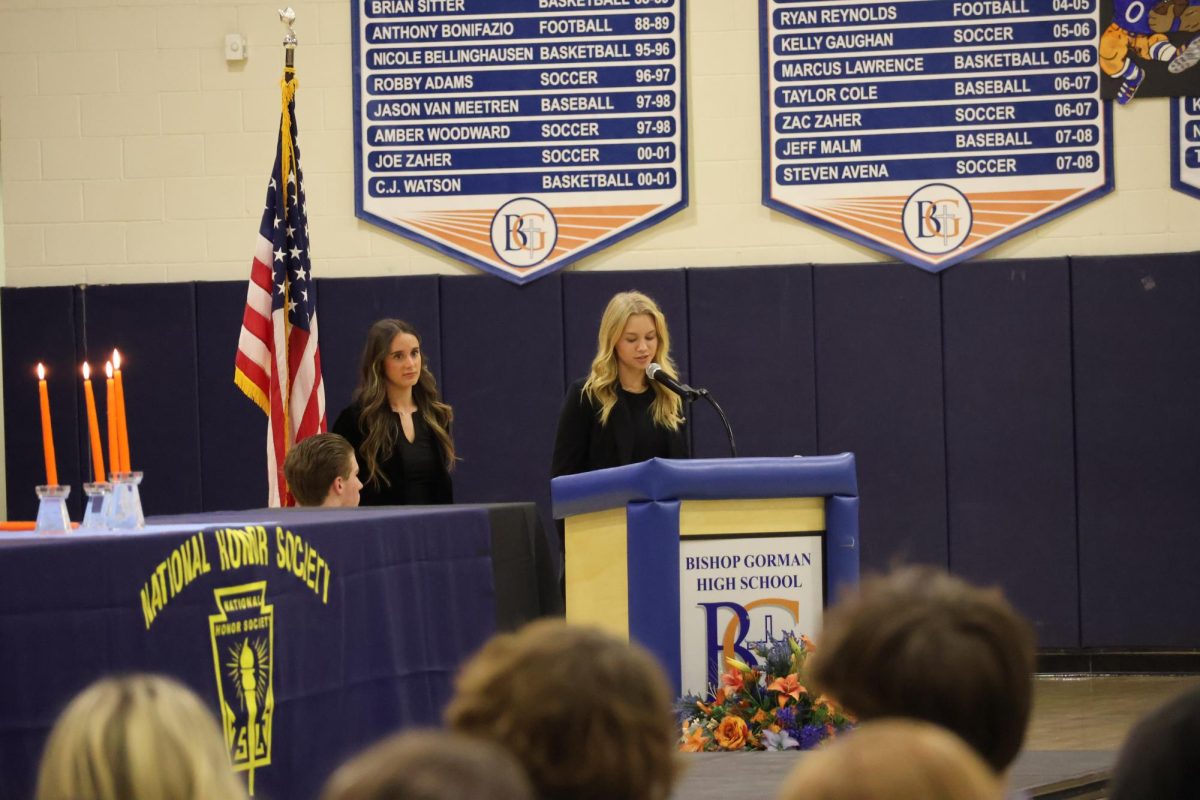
{"x": 309, "y": 633}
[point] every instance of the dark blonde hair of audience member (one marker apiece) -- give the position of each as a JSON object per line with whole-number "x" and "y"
{"x": 430, "y": 765}
{"x": 136, "y": 737}
{"x": 920, "y": 643}
{"x": 377, "y": 421}
{"x": 587, "y": 715}
{"x": 601, "y": 384}
{"x": 894, "y": 759}
{"x": 312, "y": 465}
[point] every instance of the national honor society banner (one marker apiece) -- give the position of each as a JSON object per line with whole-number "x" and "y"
{"x": 932, "y": 130}
{"x": 518, "y": 135}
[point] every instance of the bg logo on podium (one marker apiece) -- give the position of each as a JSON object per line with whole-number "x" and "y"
{"x": 741, "y": 591}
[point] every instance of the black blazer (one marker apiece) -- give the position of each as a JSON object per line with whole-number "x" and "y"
{"x": 377, "y": 494}
{"x": 583, "y": 444}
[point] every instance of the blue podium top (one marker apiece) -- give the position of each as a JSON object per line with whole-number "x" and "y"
{"x": 704, "y": 479}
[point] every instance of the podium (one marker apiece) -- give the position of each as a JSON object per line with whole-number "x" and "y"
{"x": 705, "y": 558}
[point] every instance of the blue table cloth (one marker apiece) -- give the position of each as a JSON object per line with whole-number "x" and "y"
{"x": 347, "y": 624}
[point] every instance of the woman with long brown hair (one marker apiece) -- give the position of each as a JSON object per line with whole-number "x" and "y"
{"x": 397, "y": 422}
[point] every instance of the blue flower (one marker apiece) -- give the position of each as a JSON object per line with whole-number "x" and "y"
{"x": 811, "y": 736}
{"x": 786, "y": 717}
{"x": 779, "y": 658}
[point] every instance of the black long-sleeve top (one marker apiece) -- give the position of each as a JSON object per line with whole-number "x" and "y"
{"x": 416, "y": 470}
{"x": 629, "y": 436}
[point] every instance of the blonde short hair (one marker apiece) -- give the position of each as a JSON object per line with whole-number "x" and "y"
{"x": 899, "y": 759}
{"x": 137, "y": 736}
{"x": 587, "y": 715}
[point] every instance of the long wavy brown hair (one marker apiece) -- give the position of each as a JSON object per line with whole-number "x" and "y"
{"x": 379, "y": 425}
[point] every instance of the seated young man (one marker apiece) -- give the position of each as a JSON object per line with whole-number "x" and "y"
{"x": 322, "y": 471}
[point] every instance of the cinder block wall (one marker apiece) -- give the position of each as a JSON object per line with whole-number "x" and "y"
{"x": 131, "y": 151}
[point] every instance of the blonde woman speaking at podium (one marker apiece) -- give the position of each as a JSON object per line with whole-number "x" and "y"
{"x": 617, "y": 415}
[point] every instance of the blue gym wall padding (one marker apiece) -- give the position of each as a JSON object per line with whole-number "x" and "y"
{"x": 502, "y": 357}
{"x": 1010, "y": 459}
{"x": 1137, "y": 418}
{"x": 879, "y": 395}
{"x": 751, "y": 345}
{"x": 155, "y": 327}
{"x": 40, "y": 325}
{"x": 233, "y": 430}
{"x": 1032, "y": 424}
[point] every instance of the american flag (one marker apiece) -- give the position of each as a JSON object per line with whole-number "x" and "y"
{"x": 278, "y": 364}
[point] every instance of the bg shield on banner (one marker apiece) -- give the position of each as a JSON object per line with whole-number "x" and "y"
{"x": 518, "y": 135}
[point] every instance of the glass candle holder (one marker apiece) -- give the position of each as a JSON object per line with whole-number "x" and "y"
{"x": 95, "y": 508}
{"x": 125, "y": 505}
{"x": 52, "y": 509}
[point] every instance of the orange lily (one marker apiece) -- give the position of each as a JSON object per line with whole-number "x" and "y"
{"x": 787, "y": 687}
{"x": 735, "y": 679}
{"x": 693, "y": 742}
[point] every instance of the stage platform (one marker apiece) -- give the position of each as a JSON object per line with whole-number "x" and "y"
{"x": 1043, "y": 774}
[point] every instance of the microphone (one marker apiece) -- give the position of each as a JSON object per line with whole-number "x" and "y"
{"x": 655, "y": 372}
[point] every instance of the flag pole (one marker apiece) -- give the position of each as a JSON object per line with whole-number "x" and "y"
{"x": 288, "y": 17}
{"x": 287, "y": 167}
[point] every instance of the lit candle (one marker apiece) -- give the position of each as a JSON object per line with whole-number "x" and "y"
{"x": 110, "y": 407}
{"x": 93, "y": 425}
{"x": 47, "y": 432}
{"x": 122, "y": 419}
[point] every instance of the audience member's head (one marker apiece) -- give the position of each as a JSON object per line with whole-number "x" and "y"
{"x": 430, "y": 765}
{"x": 321, "y": 470}
{"x": 900, "y": 759}
{"x": 1158, "y": 761}
{"x": 587, "y": 715}
{"x": 139, "y": 736}
{"x": 920, "y": 643}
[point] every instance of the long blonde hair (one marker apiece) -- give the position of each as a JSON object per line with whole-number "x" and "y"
{"x": 376, "y": 420}
{"x": 601, "y": 384}
{"x": 137, "y": 736}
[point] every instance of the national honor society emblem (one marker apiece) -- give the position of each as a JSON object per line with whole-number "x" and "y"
{"x": 243, "y": 647}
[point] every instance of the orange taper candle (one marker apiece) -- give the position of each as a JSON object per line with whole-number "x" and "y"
{"x": 122, "y": 419}
{"x": 47, "y": 432}
{"x": 93, "y": 425}
{"x": 110, "y": 407}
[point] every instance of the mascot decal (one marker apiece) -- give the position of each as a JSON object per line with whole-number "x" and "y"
{"x": 1142, "y": 27}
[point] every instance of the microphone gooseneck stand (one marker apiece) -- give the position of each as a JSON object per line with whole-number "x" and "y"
{"x": 655, "y": 373}
{"x": 724, "y": 420}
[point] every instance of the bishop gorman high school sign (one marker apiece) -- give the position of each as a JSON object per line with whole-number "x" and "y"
{"x": 518, "y": 135}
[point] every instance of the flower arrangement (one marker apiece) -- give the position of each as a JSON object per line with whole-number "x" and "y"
{"x": 764, "y": 707}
